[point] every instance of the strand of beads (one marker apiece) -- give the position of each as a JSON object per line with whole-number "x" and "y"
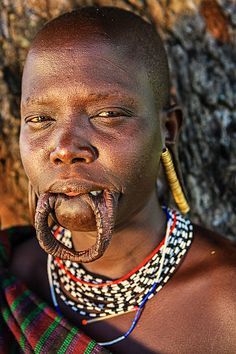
{"x": 129, "y": 293}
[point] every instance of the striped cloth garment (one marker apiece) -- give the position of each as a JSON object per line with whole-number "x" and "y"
{"x": 27, "y": 324}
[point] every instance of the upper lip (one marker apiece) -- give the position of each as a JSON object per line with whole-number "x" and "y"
{"x": 67, "y": 186}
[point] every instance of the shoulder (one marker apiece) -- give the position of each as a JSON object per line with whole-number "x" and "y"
{"x": 213, "y": 253}
{"x": 27, "y": 260}
{"x": 214, "y": 259}
{"x": 11, "y": 238}
{"x": 215, "y": 256}
{"x": 211, "y": 268}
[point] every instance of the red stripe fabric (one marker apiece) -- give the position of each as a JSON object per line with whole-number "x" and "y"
{"x": 28, "y": 323}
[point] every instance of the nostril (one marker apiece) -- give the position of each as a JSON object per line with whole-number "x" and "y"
{"x": 57, "y": 161}
{"x": 78, "y": 159}
{"x": 71, "y": 156}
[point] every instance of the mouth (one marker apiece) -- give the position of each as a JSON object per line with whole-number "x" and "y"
{"x": 103, "y": 203}
{"x": 92, "y": 193}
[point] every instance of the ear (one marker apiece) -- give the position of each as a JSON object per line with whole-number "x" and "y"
{"x": 171, "y": 121}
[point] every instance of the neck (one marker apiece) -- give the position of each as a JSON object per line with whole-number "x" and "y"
{"x": 129, "y": 245}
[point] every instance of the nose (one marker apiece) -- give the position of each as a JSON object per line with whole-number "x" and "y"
{"x": 71, "y": 153}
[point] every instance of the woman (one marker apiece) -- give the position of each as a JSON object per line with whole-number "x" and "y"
{"x": 120, "y": 268}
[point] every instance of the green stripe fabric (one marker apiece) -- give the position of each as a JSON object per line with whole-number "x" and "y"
{"x": 46, "y": 334}
{"x": 90, "y": 347}
{"x": 67, "y": 342}
{"x": 18, "y": 300}
{"x": 32, "y": 315}
{"x": 6, "y": 314}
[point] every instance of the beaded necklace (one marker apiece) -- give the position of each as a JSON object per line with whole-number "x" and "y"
{"x": 96, "y": 299}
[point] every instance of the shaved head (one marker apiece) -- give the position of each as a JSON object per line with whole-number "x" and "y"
{"x": 126, "y": 32}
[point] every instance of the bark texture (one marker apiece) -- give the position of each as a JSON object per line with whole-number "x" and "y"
{"x": 200, "y": 38}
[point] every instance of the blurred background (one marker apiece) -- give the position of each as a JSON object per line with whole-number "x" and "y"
{"x": 200, "y": 37}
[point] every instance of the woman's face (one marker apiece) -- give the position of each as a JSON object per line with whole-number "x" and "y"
{"x": 89, "y": 123}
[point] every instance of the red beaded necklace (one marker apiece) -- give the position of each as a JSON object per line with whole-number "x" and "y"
{"x": 117, "y": 281}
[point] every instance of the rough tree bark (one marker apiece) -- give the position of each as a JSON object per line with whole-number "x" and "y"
{"x": 200, "y": 38}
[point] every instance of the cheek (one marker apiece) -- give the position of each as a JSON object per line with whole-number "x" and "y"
{"x": 25, "y": 152}
{"x": 32, "y": 157}
{"x": 143, "y": 167}
{"x": 134, "y": 164}
{"x": 133, "y": 158}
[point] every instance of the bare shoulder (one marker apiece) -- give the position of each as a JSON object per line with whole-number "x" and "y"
{"x": 213, "y": 252}
{"x": 214, "y": 259}
{"x": 210, "y": 270}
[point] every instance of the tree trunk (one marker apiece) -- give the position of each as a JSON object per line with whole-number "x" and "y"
{"x": 200, "y": 39}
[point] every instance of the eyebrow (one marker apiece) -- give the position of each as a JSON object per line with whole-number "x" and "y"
{"x": 92, "y": 97}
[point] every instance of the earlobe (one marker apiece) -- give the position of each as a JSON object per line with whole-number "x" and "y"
{"x": 172, "y": 122}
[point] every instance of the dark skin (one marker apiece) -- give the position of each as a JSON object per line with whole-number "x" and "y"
{"x": 84, "y": 134}
{"x": 52, "y": 141}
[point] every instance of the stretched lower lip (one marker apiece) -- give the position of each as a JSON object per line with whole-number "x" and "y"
{"x": 103, "y": 210}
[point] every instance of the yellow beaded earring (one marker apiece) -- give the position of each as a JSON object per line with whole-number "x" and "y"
{"x": 173, "y": 181}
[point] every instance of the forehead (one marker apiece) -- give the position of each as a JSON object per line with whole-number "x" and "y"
{"x": 83, "y": 70}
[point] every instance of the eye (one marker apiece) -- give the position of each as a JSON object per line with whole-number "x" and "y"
{"x": 110, "y": 114}
{"x": 38, "y": 119}
{"x": 111, "y": 117}
{"x": 39, "y": 122}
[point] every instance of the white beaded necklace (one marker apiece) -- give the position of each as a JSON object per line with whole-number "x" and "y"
{"x": 97, "y": 299}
